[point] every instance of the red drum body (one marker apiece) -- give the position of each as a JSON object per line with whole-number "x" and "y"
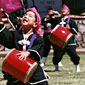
{"x": 21, "y": 70}
{"x": 60, "y": 36}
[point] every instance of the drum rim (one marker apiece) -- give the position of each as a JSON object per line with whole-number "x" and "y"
{"x": 67, "y": 40}
{"x": 56, "y": 27}
{"x": 34, "y": 67}
{"x": 7, "y": 56}
{"x": 28, "y": 73}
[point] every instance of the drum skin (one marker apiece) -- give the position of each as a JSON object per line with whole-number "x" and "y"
{"x": 19, "y": 69}
{"x": 60, "y": 36}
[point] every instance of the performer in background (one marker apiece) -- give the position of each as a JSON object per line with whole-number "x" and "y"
{"x": 48, "y": 23}
{"x": 22, "y": 41}
{"x": 70, "y": 48}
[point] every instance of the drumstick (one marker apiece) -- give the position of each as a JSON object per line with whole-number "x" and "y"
{"x": 11, "y": 24}
{"x": 8, "y": 19}
{"x": 3, "y": 13}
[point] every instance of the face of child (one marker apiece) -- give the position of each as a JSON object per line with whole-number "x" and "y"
{"x": 50, "y": 12}
{"x": 65, "y": 12}
{"x": 28, "y": 19}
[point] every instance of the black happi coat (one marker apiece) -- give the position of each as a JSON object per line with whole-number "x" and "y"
{"x": 48, "y": 24}
{"x": 70, "y": 48}
{"x": 73, "y": 28}
{"x": 10, "y": 40}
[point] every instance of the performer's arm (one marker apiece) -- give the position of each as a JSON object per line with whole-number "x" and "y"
{"x": 73, "y": 27}
{"x": 37, "y": 48}
{"x": 7, "y": 37}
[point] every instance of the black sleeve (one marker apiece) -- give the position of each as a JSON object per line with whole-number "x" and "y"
{"x": 37, "y": 48}
{"x": 43, "y": 22}
{"x": 8, "y": 38}
{"x": 1, "y": 26}
{"x": 73, "y": 25}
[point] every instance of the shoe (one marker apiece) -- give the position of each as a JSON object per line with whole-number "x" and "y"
{"x": 78, "y": 68}
{"x": 43, "y": 61}
{"x": 60, "y": 64}
{"x": 42, "y": 64}
{"x": 56, "y": 69}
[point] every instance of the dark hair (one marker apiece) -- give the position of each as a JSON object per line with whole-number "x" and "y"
{"x": 50, "y": 8}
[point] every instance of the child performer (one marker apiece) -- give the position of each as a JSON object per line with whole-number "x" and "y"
{"x": 68, "y": 23}
{"x": 22, "y": 41}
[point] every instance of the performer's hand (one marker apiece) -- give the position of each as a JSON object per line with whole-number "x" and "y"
{"x": 23, "y": 55}
{"x": 56, "y": 13}
{"x": 19, "y": 19}
{"x": 4, "y": 19}
{"x": 67, "y": 27}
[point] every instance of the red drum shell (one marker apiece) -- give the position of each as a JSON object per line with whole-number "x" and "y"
{"x": 21, "y": 70}
{"x": 60, "y": 36}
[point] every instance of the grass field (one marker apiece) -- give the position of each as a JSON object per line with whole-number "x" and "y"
{"x": 67, "y": 74}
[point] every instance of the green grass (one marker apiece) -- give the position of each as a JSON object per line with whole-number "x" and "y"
{"x": 67, "y": 74}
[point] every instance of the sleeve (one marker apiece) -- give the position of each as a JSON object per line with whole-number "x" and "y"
{"x": 73, "y": 25}
{"x": 7, "y": 38}
{"x": 2, "y": 27}
{"x": 43, "y": 23}
{"x": 36, "y": 52}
